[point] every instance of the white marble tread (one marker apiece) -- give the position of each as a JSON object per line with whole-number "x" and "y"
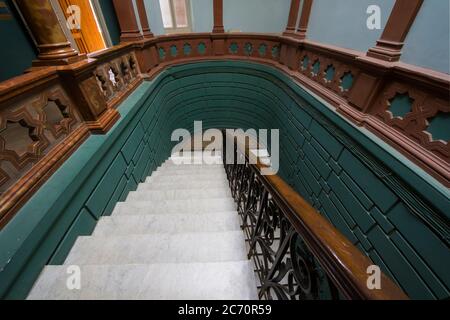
{"x": 174, "y": 223}
{"x": 188, "y": 206}
{"x": 180, "y": 194}
{"x": 186, "y": 178}
{"x": 177, "y": 236}
{"x": 158, "y": 248}
{"x": 189, "y": 281}
{"x": 173, "y": 185}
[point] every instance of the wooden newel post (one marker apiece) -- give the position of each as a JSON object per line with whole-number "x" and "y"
{"x": 218, "y": 16}
{"x": 43, "y": 24}
{"x": 293, "y": 15}
{"x": 129, "y": 28}
{"x": 304, "y": 19}
{"x": 144, "y": 19}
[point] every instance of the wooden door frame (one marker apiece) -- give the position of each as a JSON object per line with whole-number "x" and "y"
{"x": 96, "y": 11}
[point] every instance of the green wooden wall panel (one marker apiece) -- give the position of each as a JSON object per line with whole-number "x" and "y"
{"x": 105, "y": 189}
{"x": 83, "y": 225}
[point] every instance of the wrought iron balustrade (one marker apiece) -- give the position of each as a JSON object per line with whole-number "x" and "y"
{"x": 297, "y": 254}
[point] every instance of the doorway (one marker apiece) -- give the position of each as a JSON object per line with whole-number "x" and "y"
{"x": 80, "y": 19}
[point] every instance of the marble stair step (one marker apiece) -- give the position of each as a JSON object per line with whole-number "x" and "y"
{"x": 190, "y": 171}
{"x": 175, "y": 223}
{"x": 158, "y": 248}
{"x": 196, "y": 159}
{"x": 171, "y": 185}
{"x": 196, "y": 154}
{"x": 189, "y": 206}
{"x": 172, "y": 166}
{"x": 179, "y": 194}
{"x": 191, "y": 281}
{"x": 187, "y": 177}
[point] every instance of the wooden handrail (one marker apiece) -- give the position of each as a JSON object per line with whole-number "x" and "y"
{"x": 343, "y": 262}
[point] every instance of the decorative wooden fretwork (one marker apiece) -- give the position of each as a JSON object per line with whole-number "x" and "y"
{"x": 117, "y": 76}
{"x": 30, "y": 128}
{"x": 412, "y": 112}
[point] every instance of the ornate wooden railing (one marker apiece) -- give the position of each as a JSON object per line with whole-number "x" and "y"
{"x": 402, "y": 104}
{"x": 46, "y": 114}
{"x": 297, "y": 253}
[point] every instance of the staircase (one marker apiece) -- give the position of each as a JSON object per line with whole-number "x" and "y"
{"x": 176, "y": 237}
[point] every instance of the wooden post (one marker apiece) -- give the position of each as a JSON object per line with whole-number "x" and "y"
{"x": 292, "y": 20}
{"x": 389, "y": 47}
{"x": 127, "y": 20}
{"x": 304, "y": 19}
{"x": 144, "y": 19}
{"x": 218, "y": 16}
{"x": 51, "y": 42}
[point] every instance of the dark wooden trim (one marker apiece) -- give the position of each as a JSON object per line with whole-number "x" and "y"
{"x": 304, "y": 19}
{"x": 292, "y": 19}
{"x": 218, "y": 16}
{"x": 389, "y": 46}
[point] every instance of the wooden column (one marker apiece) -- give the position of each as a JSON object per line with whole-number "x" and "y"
{"x": 304, "y": 19}
{"x": 51, "y": 42}
{"x": 129, "y": 27}
{"x": 144, "y": 19}
{"x": 389, "y": 47}
{"x": 292, "y": 20}
{"x": 218, "y": 16}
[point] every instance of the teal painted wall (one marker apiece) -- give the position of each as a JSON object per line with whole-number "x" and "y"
{"x": 343, "y": 171}
{"x": 343, "y": 23}
{"x": 17, "y": 55}
{"x": 202, "y": 15}
{"x": 263, "y": 16}
{"x": 111, "y": 20}
{"x": 428, "y": 42}
{"x": 154, "y": 16}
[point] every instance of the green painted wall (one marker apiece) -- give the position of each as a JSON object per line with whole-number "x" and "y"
{"x": 343, "y": 171}
{"x": 17, "y": 55}
{"x": 111, "y": 20}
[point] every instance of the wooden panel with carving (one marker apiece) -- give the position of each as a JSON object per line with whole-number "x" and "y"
{"x": 30, "y": 128}
{"x": 118, "y": 77}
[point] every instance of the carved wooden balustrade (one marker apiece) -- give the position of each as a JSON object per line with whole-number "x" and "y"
{"x": 402, "y": 104}
{"x": 47, "y": 113}
{"x": 297, "y": 253}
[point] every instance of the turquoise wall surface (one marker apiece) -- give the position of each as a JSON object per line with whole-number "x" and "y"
{"x": 17, "y": 55}
{"x": 263, "y": 16}
{"x": 154, "y": 16}
{"x": 343, "y": 23}
{"x": 428, "y": 43}
{"x": 385, "y": 205}
{"x": 202, "y": 15}
{"x": 111, "y": 20}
